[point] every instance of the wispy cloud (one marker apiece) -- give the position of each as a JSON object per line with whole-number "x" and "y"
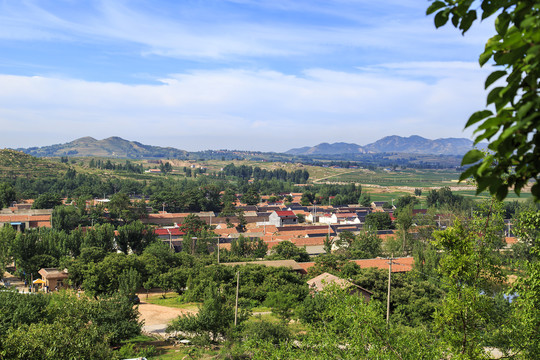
{"x": 212, "y": 31}
{"x": 245, "y": 109}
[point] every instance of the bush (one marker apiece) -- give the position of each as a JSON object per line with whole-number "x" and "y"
{"x": 266, "y": 331}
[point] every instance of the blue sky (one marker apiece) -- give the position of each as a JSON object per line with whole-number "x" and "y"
{"x": 264, "y": 75}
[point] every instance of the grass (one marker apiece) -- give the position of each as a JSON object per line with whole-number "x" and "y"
{"x": 408, "y": 177}
{"x": 171, "y": 300}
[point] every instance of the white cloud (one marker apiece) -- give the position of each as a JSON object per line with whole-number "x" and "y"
{"x": 233, "y": 108}
{"x": 210, "y": 32}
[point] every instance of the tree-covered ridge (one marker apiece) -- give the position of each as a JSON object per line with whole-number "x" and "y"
{"x": 109, "y": 147}
{"x": 247, "y": 172}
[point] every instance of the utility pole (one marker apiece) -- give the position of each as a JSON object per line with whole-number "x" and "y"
{"x": 236, "y": 304}
{"x": 218, "y": 250}
{"x": 193, "y": 239}
{"x": 388, "y": 295}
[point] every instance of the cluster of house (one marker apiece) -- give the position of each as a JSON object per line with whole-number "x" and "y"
{"x": 304, "y": 226}
{"x": 22, "y": 216}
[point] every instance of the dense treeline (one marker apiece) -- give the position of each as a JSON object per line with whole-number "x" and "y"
{"x": 61, "y": 326}
{"x": 247, "y": 172}
{"x": 108, "y": 165}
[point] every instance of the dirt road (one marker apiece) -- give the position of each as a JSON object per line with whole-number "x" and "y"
{"x": 156, "y": 317}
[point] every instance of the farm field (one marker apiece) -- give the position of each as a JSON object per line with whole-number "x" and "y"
{"x": 410, "y": 177}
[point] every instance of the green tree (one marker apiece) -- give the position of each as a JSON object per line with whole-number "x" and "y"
{"x": 242, "y": 222}
{"x": 66, "y": 218}
{"x": 513, "y": 129}
{"x": 470, "y": 269}
{"x": 366, "y": 245}
{"x": 248, "y": 247}
{"x": 47, "y": 201}
{"x": 287, "y": 250}
{"x": 282, "y": 304}
{"x": 378, "y": 221}
{"x": 129, "y": 282}
{"x": 349, "y": 329}
{"x": 119, "y": 206}
{"x": 214, "y": 319}
{"x": 527, "y": 307}
{"x": 7, "y": 195}
{"x": 7, "y": 237}
{"x": 251, "y": 197}
{"x": 404, "y": 222}
{"x": 134, "y": 236}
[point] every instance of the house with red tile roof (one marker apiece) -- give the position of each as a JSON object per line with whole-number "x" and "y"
{"x": 280, "y": 218}
{"x": 319, "y": 283}
{"x": 21, "y": 222}
{"x": 402, "y": 264}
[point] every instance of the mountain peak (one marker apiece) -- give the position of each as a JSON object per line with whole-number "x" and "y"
{"x": 413, "y": 144}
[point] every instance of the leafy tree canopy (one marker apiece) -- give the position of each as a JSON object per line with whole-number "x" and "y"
{"x": 512, "y": 128}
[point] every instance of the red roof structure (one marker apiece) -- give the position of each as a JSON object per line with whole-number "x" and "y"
{"x": 286, "y": 214}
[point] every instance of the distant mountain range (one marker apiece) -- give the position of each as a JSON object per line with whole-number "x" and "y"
{"x": 393, "y": 144}
{"x": 120, "y": 148}
{"x": 111, "y": 147}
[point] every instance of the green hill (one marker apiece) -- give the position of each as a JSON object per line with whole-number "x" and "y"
{"x": 112, "y": 147}
{"x": 15, "y": 164}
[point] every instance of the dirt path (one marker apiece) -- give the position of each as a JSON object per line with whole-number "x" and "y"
{"x": 330, "y": 176}
{"x": 156, "y": 317}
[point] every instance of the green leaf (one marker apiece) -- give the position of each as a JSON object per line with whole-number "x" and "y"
{"x": 478, "y": 116}
{"x": 494, "y": 95}
{"x": 472, "y": 156}
{"x": 467, "y": 21}
{"x": 502, "y": 192}
{"x": 501, "y": 23}
{"x": 434, "y": 7}
{"x": 524, "y": 109}
{"x": 441, "y": 18}
{"x": 484, "y": 57}
{"x": 494, "y": 76}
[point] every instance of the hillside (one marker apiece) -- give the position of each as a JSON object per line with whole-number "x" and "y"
{"x": 328, "y": 149}
{"x": 392, "y": 144}
{"x": 113, "y": 147}
{"x": 15, "y": 164}
{"x": 418, "y": 145}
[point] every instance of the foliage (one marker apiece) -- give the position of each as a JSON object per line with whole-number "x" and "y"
{"x": 58, "y": 340}
{"x": 266, "y": 331}
{"x": 282, "y": 304}
{"x": 287, "y": 250}
{"x": 378, "y": 221}
{"x": 366, "y": 245}
{"x": 59, "y": 326}
{"x": 349, "y": 329}
{"x": 513, "y": 128}
{"x": 251, "y": 197}
{"x": 470, "y": 269}
{"x": 527, "y": 333}
{"x": 444, "y": 196}
{"x": 215, "y": 317}
{"x": 135, "y": 237}
{"x": 67, "y": 218}
{"x": 7, "y": 236}
{"x": 7, "y": 195}
{"x": 129, "y": 282}
{"x": 248, "y": 247}
{"x": 47, "y": 201}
